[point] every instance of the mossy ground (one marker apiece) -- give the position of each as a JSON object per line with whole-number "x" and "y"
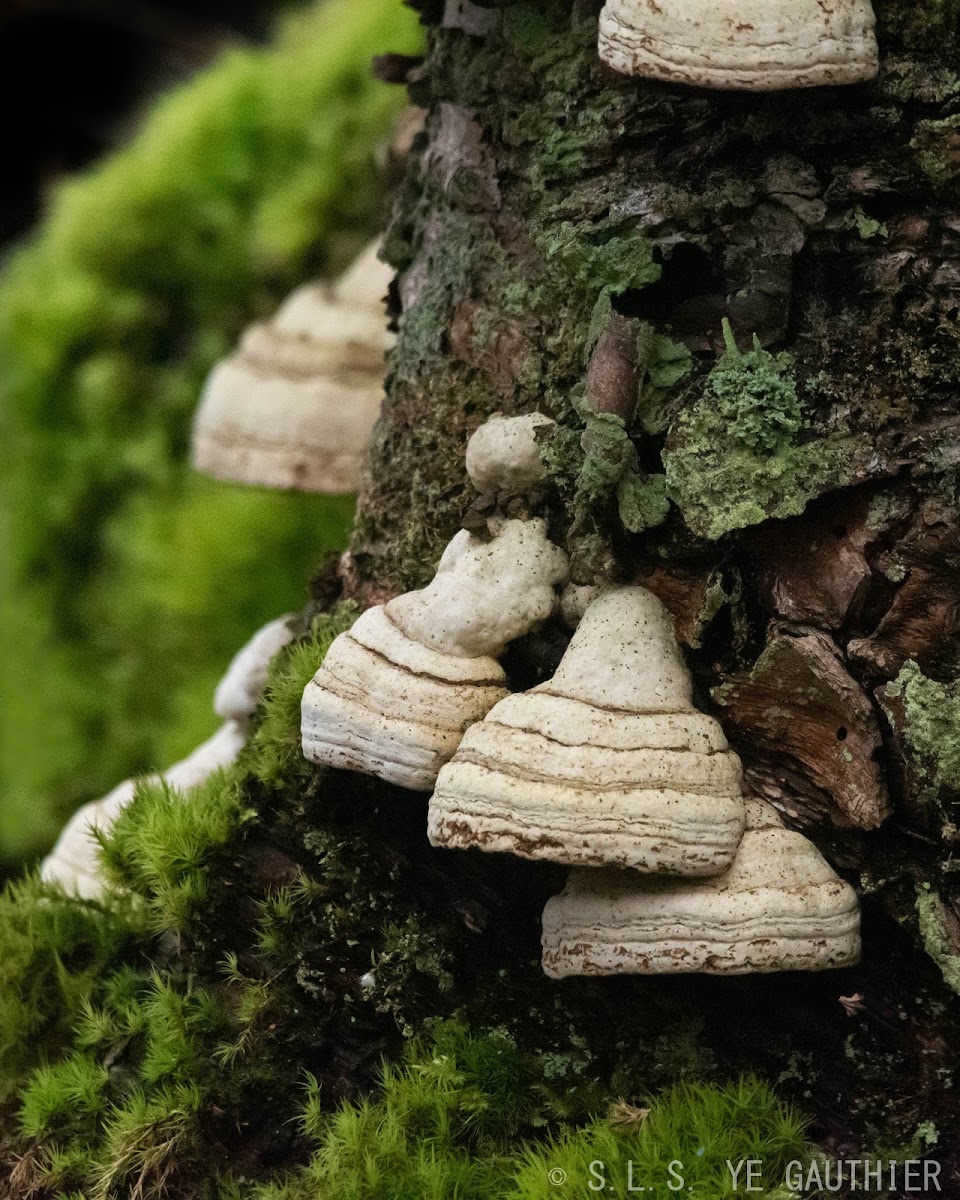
{"x": 127, "y": 582}
{"x": 219, "y": 1027}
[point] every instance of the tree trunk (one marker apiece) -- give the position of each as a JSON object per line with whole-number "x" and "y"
{"x": 571, "y": 241}
{"x": 741, "y": 311}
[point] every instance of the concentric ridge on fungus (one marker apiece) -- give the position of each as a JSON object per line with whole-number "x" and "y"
{"x": 742, "y": 45}
{"x": 295, "y": 405}
{"x": 608, "y": 763}
{"x": 396, "y": 692}
{"x": 780, "y": 907}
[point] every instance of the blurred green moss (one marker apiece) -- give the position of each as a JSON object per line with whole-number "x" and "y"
{"x": 126, "y": 582}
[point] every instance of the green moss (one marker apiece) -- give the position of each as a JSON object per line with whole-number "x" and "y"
{"x": 134, "y": 1125}
{"x": 937, "y": 146}
{"x": 461, "y": 1118}
{"x": 162, "y": 844}
{"x": 53, "y": 953}
{"x": 699, "y": 1129}
{"x": 733, "y": 459}
{"x": 255, "y": 175}
{"x": 944, "y": 951}
{"x": 273, "y": 753}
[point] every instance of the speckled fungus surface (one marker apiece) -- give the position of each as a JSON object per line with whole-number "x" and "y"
{"x": 746, "y": 45}
{"x": 504, "y": 455}
{"x": 780, "y": 907}
{"x": 294, "y": 407}
{"x": 608, "y": 763}
{"x": 395, "y": 693}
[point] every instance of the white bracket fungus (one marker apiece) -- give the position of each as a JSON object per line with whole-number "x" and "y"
{"x": 503, "y": 455}
{"x": 396, "y": 692}
{"x": 240, "y": 690}
{"x": 780, "y": 907}
{"x": 607, "y": 763}
{"x": 745, "y": 45}
{"x": 73, "y": 863}
{"x": 295, "y": 405}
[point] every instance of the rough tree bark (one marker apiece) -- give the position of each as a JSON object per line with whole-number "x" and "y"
{"x": 569, "y": 240}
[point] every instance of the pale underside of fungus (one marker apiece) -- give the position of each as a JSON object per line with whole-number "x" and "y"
{"x": 396, "y": 692}
{"x": 240, "y": 690}
{"x": 745, "y": 45}
{"x": 608, "y": 763}
{"x": 780, "y": 907}
{"x": 503, "y": 455}
{"x": 295, "y": 405}
{"x": 73, "y": 862}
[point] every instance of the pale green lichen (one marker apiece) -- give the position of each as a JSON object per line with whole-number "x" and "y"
{"x": 611, "y": 264}
{"x": 931, "y": 729}
{"x": 867, "y": 226}
{"x": 642, "y": 500}
{"x": 597, "y": 471}
{"x": 667, "y": 364}
{"x": 733, "y": 460}
{"x": 756, "y": 394}
{"x": 944, "y": 951}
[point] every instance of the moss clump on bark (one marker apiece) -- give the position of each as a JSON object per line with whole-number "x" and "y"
{"x": 273, "y": 753}
{"x": 53, "y": 954}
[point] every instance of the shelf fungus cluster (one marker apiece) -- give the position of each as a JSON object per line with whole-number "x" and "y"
{"x": 742, "y": 45}
{"x": 73, "y": 863}
{"x": 779, "y": 907}
{"x": 295, "y": 405}
{"x": 608, "y": 763}
{"x": 608, "y": 767}
{"x": 396, "y": 693}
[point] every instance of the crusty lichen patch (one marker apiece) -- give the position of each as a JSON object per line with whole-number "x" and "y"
{"x": 931, "y": 730}
{"x": 733, "y": 458}
{"x": 935, "y": 928}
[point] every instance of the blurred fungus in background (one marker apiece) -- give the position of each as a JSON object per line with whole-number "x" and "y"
{"x": 127, "y": 582}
